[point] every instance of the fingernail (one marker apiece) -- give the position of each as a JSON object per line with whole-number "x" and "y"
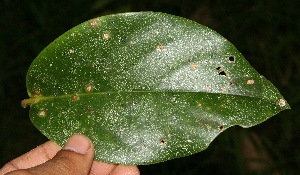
{"x": 78, "y": 143}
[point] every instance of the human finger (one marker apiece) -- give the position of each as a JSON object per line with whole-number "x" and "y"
{"x": 35, "y": 157}
{"x": 75, "y": 158}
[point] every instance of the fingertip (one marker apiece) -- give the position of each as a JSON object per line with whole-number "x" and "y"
{"x": 126, "y": 170}
{"x": 75, "y": 158}
{"x": 78, "y": 143}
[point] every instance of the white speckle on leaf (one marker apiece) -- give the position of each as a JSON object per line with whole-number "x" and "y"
{"x": 71, "y": 51}
{"x": 282, "y": 102}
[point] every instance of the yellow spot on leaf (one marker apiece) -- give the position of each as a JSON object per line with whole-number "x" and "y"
{"x": 194, "y": 66}
{"x": 223, "y": 89}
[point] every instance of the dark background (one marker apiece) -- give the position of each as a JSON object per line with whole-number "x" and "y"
{"x": 265, "y": 32}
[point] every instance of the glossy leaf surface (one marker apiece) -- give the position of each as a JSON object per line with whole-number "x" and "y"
{"x": 145, "y": 87}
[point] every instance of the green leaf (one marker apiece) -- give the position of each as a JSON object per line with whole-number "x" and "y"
{"x": 145, "y": 87}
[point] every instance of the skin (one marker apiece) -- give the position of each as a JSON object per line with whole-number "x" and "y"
{"x": 75, "y": 158}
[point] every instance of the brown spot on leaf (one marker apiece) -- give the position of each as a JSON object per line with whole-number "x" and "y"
{"x": 223, "y": 89}
{"x": 250, "y": 81}
{"x": 106, "y": 36}
{"x": 36, "y": 91}
{"x": 88, "y": 88}
{"x": 75, "y": 97}
{"x": 42, "y": 113}
{"x": 282, "y": 102}
{"x": 160, "y": 48}
{"x": 207, "y": 89}
{"x": 94, "y": 22}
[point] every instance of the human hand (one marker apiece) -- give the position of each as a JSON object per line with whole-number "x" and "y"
{"x": 75, "y": 158}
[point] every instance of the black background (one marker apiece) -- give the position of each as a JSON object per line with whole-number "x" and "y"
{"x": 265, "y": 32}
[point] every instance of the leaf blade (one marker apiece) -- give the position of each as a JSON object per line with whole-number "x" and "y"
{"x": 145, "y": 93}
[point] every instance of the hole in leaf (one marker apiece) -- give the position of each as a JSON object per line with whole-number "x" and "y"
{"x": 162, "y": 141}
{"x": 222, "y": 73}
{"x": 221, "y": 127}
{"x": 218, "y": 68}
{"x": 231, "y": 58}
{"x": 231, "y": 82}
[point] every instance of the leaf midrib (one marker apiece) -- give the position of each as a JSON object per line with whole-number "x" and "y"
{"x": 36, "y": 99}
